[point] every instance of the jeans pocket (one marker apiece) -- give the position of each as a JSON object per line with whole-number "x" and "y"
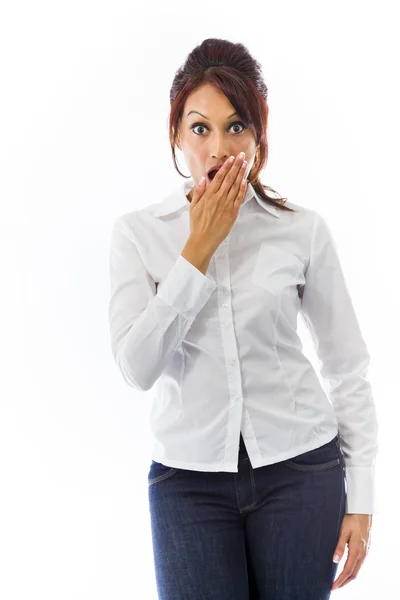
{"x": 159, "y": 472}
{"x": 318, "y": 459}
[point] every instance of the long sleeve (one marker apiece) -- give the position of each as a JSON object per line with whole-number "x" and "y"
{"x": 344, "y": 361}
{"x": 148, "y": 324}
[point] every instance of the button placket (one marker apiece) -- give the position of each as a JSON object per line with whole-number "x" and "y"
{"x": 228, "y": 334}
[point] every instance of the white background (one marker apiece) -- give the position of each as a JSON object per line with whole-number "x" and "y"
{"x": 84, "y": 138}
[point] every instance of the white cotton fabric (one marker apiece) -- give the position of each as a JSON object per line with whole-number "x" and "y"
{"x": 223, "y": 350}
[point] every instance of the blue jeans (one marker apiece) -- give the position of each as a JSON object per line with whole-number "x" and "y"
{"x": 260, "y": 534}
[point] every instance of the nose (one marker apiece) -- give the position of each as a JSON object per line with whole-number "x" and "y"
{"x": 219, "y": 150}
{"x": 220, "y": 156}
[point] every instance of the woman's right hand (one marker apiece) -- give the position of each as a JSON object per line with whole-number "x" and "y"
{"x": 215, "y": 207}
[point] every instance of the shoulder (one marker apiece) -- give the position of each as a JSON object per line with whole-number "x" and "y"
{"x": 134, "y": 222}
{"x": 301, "y": 215}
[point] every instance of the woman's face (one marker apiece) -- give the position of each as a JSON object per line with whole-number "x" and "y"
{"x": 212, "y": 136}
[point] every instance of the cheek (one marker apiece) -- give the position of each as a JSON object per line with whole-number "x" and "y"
{"x": 197, "y": 158}
{"x": 192, "y": 150}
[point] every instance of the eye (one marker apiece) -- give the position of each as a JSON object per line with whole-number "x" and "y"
{"x": 235, "y": 124}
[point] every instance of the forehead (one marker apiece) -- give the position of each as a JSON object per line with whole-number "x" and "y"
{"x": 208, "y": 97}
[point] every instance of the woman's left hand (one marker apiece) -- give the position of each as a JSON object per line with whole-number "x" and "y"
{"x": 355, "y": 531}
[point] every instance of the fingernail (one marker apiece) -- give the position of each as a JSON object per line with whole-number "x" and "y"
{"x": 202, "y": 180}
{"x": 336, "y": 558}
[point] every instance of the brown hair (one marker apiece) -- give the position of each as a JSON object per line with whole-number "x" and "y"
{"x": 231, "y": 69}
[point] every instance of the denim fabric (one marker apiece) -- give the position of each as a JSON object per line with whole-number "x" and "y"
{"x": 259, "y": 534}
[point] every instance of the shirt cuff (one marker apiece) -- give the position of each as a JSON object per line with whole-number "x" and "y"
{"x": 360, "y": 498}
{"x": 186, "y": 289}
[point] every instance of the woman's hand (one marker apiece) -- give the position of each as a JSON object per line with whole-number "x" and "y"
{"x": 215, "y": 207}
{"x": 355, "y": 531}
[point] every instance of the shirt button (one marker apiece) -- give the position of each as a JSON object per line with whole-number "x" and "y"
{"x": 224, "y": 306}
{"x": 233, "y": 363}
{"x": 237, "y": 398}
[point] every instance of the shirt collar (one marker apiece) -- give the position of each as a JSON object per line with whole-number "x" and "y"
{"x": 177, "y": 199}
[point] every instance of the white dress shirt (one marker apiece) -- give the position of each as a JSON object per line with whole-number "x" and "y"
{"x": 223, "y": 347}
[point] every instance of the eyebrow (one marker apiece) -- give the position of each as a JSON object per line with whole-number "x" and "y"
{"x": 196, "y": 111}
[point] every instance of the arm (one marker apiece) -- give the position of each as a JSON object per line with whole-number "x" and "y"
{"x": 146, "y": 325}
{"x": 344, "y": 360}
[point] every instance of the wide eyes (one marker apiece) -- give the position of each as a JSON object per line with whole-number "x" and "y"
{"x": 235, "y": 124}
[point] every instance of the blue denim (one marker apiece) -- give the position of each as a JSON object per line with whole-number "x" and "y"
{"x": 260, "y": 534}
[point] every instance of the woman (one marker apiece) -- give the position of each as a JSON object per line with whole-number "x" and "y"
{"x": 257, "y": 479}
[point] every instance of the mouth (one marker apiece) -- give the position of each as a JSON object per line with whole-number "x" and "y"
{"x": 212, "y": 172}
